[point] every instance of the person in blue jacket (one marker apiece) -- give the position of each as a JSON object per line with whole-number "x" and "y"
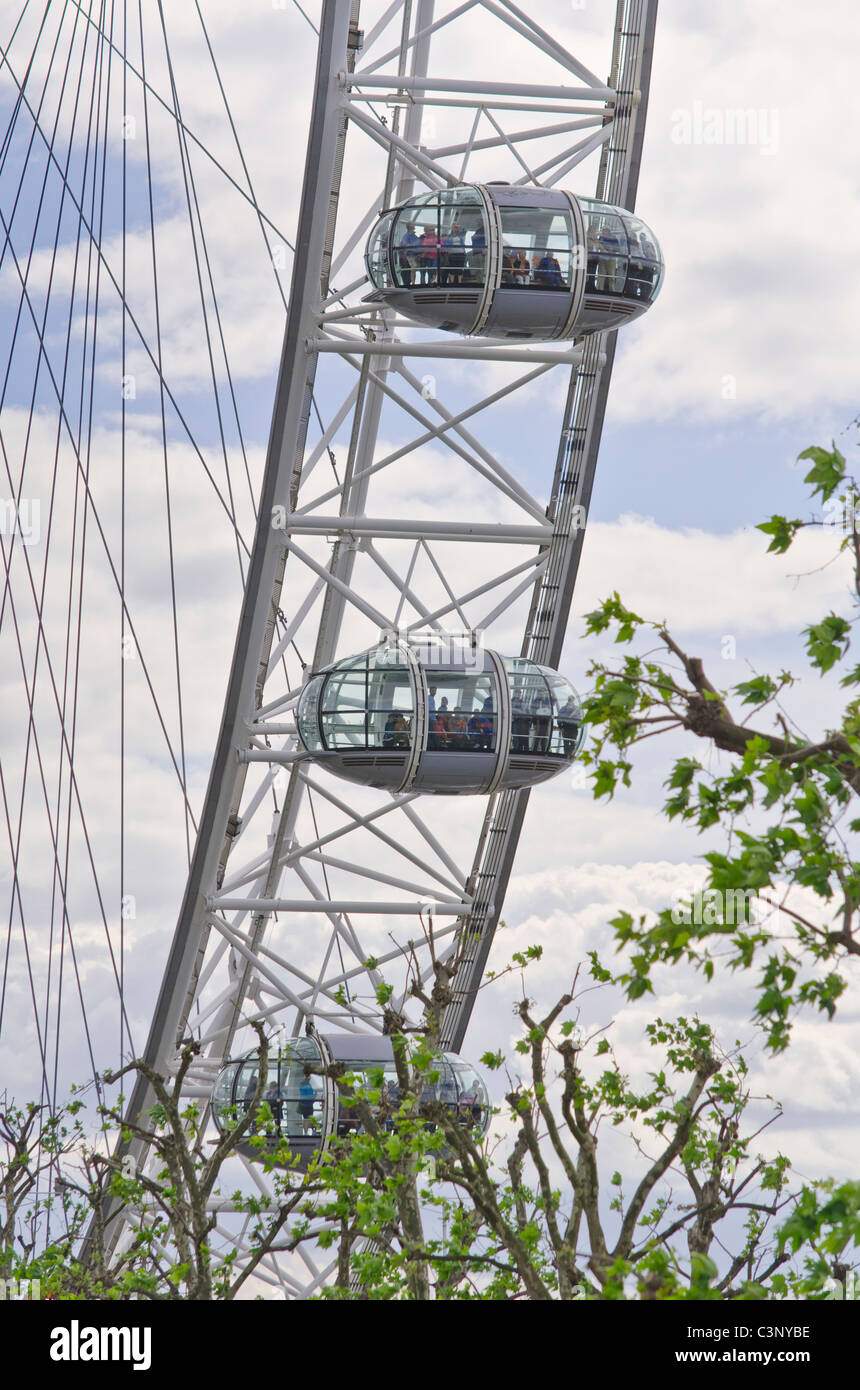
{"x": 548, "y": 272}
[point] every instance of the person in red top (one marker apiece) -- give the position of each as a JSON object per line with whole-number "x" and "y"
{"x": 429, "y": 258}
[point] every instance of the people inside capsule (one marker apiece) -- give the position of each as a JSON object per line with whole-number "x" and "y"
{"x": 294, "y": 1096}
{"x": 569, "y": 723}
{"x": 521, "y": 267}
{"x": 273, "y": 1099}
{"x": 367, "y": 702}
{"x": 548, "y": 272}
{"x": 478, "y": 255}
{"x": 409, "y": 254}
{"x": 453, "y": 257}
{"x": 398, "y": 733}
{"x": 574, "y": 254}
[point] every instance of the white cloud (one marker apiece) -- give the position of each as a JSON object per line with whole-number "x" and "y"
{"x": 566, "y": 910}
{"x": 753, "y": 291}
{"x": 710, "y": 583}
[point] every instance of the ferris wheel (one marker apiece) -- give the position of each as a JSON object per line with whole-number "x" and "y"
{"x": 394, "y": 690}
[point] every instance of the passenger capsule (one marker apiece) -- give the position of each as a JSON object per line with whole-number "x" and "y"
{"x": 440, "y": 719}
{"x": 307, "y": 1110}
{"x": 508, "y": 261}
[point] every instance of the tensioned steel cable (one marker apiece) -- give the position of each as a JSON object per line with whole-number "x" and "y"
{"x": 196, "y": 227}
{"x": 191, "y": 187}
{"x": 65, "y": 925}
{"x": 283, "y": 296}
{"x": 64, "y": 174}
{"x": 96, "y": 517}
{"x": 16, "y": 896}
{"x": 3, "y": 58}
{"x": 79, "y": 432}
{"x": 18, "y": 22}
{"x": 16, "y": 850}
{"x": 91, "y": 292}
{"x": 132, "y": 318}
{"x": 335, "y": 933}
{"x": 255, "y": 202}
{"x": 79, "y": 413}
{"x": 304, "y": 16}
{"x": 158, "y": 349}
{"x": 15, "y": 841}
{"x": 39, "y": 206}
{"x": 40, "y": 601}
{"x": 262, "y": 217}
{"x": 241, "y": 154}
{"x": 181, "y": 126}
{"x": 31, "y": 729}
{"x": 40, "y": 614}
{"x": 10, "y": 131}
{"x": 191, "y": 136}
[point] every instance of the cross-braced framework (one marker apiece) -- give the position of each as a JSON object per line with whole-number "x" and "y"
{"x": 390, "y": 503}
{"x": 287, "y": 904}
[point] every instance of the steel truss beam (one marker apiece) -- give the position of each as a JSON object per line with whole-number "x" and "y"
{"x": 280, "y": 925}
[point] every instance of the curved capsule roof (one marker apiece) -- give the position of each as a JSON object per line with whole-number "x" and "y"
{"x": 510, "y": 261}
{"x": 307, "y": 1111}
{"x": 440, "y": 720}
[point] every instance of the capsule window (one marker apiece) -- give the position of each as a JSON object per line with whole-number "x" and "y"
{"x": 307, "y": 715}
{"x": 531, "y": 714}
{"x": 645, "y": 267}
{"x": 567, "y": 731}
{"x": 296, "y": 1100}
{"x": 293, "y": 1093}
{"x": 440, "y": 241}
{"x": 343, "y": 712}
{"x": 537, "y": 248}
{"x": 546, "y": 717}
{"x": 390, "y": 709}
{"x": 367, "y": 705}
{"x": 366, "y": 1079}
{"x": 462, "y": 711}
{"x": 607, "y": 259}
{"x": 378, "y": 264}
{"x": 453, "y": 1084}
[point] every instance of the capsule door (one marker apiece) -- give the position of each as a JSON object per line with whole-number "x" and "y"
{"x": 537, "y": 271}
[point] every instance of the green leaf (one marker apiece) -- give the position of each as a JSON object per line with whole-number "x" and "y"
{"x": 757, "y": 690}
{"x": 782, "y": 532}
{"x": 827, "y": 471}
{"x": 828, "y": 641}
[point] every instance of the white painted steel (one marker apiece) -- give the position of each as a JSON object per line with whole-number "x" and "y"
{"x": 223, "y": 974}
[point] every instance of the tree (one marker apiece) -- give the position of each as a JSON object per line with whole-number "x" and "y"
{"x": 32, "y": 1142}
{"x": 783, "y": 798}
{"x": 167, "y": 1206}
{"x": 419, "y": 1203}
{"x": 538, "y": 1224}
{"x": 784, "y": 806}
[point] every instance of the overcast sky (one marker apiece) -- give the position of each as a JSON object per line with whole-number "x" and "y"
{"x": 748, "y": 357}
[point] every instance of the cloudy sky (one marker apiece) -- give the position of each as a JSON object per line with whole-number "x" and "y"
{"x": 748, "y": 357}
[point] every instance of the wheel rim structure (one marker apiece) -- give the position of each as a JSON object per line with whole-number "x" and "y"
{"x": 296, "y": 879}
